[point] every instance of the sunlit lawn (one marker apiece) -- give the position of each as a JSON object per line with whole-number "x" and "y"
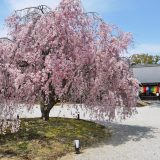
{"x": 41, "y": 140}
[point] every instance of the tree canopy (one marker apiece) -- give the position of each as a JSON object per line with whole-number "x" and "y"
{"x": 69, "y": 55}
{"x": 145, "y": 59}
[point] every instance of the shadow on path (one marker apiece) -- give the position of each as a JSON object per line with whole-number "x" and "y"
{"x": 155, "y": 104}
{"x": 123, "y": 133}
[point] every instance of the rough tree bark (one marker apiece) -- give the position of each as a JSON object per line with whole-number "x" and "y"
{"x": 46, "y": 108}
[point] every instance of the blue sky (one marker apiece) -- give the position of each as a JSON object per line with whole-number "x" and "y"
{"x": 140, "y": 17}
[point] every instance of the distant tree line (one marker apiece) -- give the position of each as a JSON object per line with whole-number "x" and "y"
{"x": 145, "y": 59}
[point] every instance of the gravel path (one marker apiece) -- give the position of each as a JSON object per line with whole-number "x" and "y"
{"x": 137, "y": 138}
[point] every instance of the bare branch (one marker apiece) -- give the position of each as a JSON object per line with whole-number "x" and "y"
{"x": 95, "y": 15}
{"x": 30, "y": 13}
{"x": 5, "y": 39}
{"x": 42, "y": 8}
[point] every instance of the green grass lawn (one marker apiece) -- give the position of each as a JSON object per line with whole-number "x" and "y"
{"x": 41, "y": 140}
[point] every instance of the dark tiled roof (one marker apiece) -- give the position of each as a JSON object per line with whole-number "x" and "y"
{"x": 147, "y": 73}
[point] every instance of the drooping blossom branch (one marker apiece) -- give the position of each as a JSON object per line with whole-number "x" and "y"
{"x": 68, "y": 55}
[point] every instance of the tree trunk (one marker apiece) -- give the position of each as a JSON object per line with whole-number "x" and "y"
{"x": 45, "y": 110}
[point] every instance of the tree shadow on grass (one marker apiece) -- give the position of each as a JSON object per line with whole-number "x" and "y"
{"x": 123, "y": 133}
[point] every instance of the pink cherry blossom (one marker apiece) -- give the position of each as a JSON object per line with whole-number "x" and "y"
{"x": 69, "y": 55}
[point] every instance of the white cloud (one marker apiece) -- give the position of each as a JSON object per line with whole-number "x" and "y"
{"x": 20, "y": 4}
{"x": 149, "y": 48}
{"x": 99, "y": 6}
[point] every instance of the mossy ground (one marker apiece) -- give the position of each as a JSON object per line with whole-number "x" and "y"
{"x": 41, "y": 140}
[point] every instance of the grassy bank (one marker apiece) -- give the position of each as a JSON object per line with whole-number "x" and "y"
{"x": 40, "y": 140}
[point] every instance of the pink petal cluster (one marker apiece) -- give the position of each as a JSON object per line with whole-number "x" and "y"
{"x": 75, "y": 53}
